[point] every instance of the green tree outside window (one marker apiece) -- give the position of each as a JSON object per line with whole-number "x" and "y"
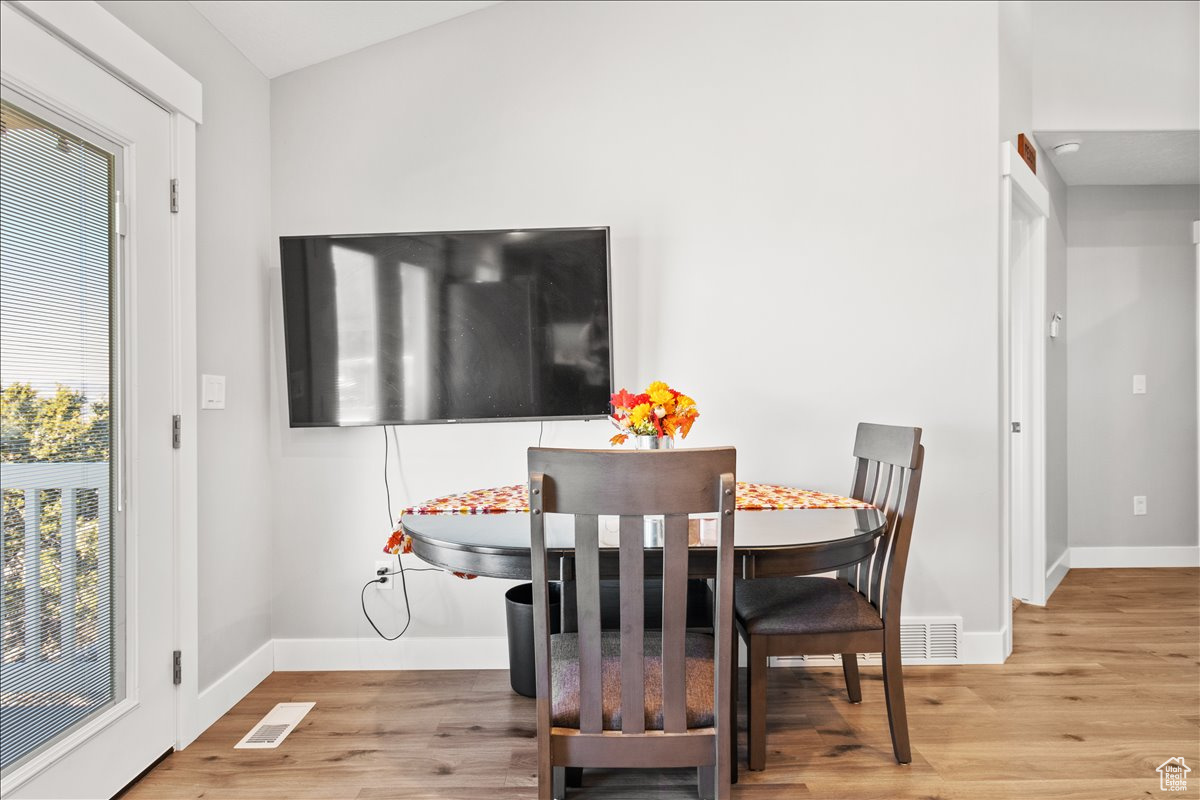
{"x": 59, "y": 428}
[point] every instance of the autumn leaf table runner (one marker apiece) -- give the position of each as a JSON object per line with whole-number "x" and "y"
{"x": 515, "y": 500}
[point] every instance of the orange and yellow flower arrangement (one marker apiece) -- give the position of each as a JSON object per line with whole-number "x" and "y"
{"x": 659, "y": 411}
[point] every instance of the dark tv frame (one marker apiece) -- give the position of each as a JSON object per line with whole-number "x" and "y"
{"x": 608, "y": 287}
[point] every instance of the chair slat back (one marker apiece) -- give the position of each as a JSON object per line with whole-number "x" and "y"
{"x": 887, "y": 473}
{"x": 633, "y": 608}
{"x": 674, "y": 622}
{"x": 631, "y": 486}
{"x": 587, "y": 576}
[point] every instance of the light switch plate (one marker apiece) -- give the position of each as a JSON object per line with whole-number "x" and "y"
{"x": 212, "y": 392}
{"x": 1139, "y": 384}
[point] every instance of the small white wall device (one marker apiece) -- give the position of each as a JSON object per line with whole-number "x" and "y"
{"x": 212, "y": 392}
{"x": 1055, "y": 325}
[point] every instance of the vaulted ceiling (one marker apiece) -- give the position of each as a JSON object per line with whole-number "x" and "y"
{"x": 282, "y": 37}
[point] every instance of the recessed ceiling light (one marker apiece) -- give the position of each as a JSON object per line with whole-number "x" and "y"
{"x": 1066, "y": 148}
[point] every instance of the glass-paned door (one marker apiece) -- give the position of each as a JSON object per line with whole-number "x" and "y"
{"x": 88, "y": 351}
{"x": 60, "y": 659}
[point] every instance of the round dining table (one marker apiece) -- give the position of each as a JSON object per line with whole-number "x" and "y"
{"x": 767, "y": 542}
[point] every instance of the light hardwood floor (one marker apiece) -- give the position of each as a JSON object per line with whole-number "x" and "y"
{"x": 1103, "y": 686}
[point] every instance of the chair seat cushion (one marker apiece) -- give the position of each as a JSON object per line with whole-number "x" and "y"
{"x": 782, "y": 606}
{"x": 564, "y": 677}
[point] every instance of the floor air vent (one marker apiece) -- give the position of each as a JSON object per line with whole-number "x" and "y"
{"x": 931, "y": 640}
{"x": 923, "y": 640}
{"x": 272, "y": 729}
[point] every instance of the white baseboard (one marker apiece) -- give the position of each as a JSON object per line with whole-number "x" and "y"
{"x": 985, "y": 647}
{"x": 226, "y": 691}
{"x": 1126, "y": 557}
{"x": 428, "y": 652}
{"x": 1058, "y": 570}
{"x": 418, "y": 652}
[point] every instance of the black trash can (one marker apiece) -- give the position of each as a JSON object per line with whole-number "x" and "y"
{"x": 518, "y": 613}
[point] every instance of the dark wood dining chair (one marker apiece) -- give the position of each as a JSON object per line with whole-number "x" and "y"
{"x": 856, "y": 612}
{"x": 633, "y": 697}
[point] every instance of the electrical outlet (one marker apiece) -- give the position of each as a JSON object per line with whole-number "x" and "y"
{"x": 1139, "y": 505}
{"x": 388, "y": 569}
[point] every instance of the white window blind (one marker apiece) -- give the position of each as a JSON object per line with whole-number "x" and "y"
{"x": 56, "y": 267}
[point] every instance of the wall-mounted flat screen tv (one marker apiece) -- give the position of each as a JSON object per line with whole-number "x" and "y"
{"x": 398, "y": 328}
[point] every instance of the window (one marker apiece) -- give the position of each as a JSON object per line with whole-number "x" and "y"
{"x": 57, "y": 252}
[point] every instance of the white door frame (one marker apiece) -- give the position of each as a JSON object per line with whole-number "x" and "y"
{"x": 1196, "y": 242}
{"x": 1023, "y": 376}
{"x": 103, "y": 39}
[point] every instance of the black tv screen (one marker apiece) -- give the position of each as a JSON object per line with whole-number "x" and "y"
{"x": 389, "y": 329}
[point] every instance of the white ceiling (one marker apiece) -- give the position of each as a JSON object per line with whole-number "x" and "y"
{"x": 279, "y": 37}
{"x": 1125, "y": 158}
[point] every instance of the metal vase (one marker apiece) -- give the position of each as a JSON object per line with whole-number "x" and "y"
{"x": 654, "y": 442}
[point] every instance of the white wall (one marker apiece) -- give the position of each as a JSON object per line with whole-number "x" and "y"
{"x": 1116, "y": 66}
{"x": 777, "y": 247}
{"x": 1015, "y": 37}
{"x": 1132, "y": 309}
{"x": 232, "y": 221}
